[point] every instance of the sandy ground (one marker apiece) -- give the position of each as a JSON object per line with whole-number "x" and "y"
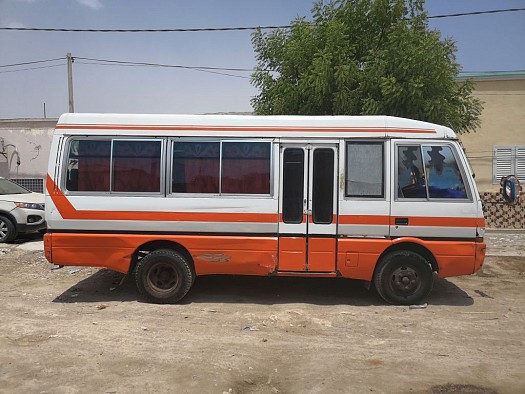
{"x": 76, "y": 330}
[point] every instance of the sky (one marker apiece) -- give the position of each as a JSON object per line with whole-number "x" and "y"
{"x": 493, "y": 42}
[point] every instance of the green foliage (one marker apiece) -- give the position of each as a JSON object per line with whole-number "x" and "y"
{"x": 363, "y": 57}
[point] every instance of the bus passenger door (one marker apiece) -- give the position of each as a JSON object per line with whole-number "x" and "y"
{"x": 308, "y": 208}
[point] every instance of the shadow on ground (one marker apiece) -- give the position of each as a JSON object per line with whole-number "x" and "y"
{"x": 24, "y": 238}
{"x": 106, "y": 285}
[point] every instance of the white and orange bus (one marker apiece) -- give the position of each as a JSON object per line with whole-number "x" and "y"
{"x": 164, "y": 198}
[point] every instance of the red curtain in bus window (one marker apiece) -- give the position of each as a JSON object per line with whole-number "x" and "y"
{"x": 246, "y": 167}
{"x": 196, "y": 167}
{"x": 93, "y": 165}
{"x": 136, "y": 166}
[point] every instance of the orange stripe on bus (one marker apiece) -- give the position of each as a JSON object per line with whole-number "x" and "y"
{"x": 244, "y": 128}
{"x": 68, "y": 211}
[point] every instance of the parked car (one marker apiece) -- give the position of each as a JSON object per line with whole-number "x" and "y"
{"x": 21, "y": 211}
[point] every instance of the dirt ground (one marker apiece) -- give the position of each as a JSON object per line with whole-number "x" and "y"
{"x": 77, "y": 330}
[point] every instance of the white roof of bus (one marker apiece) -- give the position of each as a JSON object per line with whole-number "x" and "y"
{"x": 255, "y": 126}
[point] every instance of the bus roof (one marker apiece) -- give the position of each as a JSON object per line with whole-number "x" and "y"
{"x": 291, "y": 126}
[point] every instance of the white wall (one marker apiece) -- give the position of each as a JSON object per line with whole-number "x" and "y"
{"x": 32, "y": 140}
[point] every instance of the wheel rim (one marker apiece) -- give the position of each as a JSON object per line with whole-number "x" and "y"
{"x": 3, "y": 229}
{"x": 405, "y": 281}
{"x": 163, "y": 277}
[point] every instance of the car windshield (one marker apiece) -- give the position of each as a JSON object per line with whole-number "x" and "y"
{"x": 8, "y": 187}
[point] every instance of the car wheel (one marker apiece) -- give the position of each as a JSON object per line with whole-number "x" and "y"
{"x": 404, "y": 278}
{"x": 7, "y": 230}
{"x": 164, "y": 276}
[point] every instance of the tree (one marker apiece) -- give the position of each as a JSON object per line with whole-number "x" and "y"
{"x": 363, "y": 57}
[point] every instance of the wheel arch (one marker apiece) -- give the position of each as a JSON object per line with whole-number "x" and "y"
{"x": 9, "y": 216}
{"x": 412, "y": 246}
{"x": 150, "y": 246}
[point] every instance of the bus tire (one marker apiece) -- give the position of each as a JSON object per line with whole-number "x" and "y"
{"x": 163, "y": 276}
{"x": 404, "y": 278}
{"x": 7, "y": 230}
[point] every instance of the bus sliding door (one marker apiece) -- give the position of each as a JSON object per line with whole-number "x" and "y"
{"x": 308, "y": 208}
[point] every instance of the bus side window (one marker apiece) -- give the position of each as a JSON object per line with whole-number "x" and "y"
{"x": 364, "y": 170}
{"x": 88, "y": 165}
{"x": 196, "y": 167}
{"x": 245, "y": 167}
{"x": 410, "y": 173}
{"x": 443, "y": 175}
{"x": 136, "y": 166}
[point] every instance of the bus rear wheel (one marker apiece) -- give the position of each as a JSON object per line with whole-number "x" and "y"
{"x": 404, "y": 278}
{"x": 163, "y": 276}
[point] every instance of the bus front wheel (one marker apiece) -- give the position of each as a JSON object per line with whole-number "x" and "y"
{"x": 164, "y": 276}
{"x": 404, "y": 278}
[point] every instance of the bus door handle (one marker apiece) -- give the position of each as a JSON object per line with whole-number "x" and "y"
{"x": 401, "y": 221}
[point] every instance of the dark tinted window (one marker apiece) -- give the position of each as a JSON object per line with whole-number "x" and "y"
{"x": 246, "y": 167}
{"x": 293, "y": 181}
{"x": 196, "y": 167}
{"x": 136, "y": 166}
{"x": 323, "y": 186}
{"x": 88, "y": 165}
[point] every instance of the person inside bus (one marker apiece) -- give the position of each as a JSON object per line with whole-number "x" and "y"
{"x": 444, "y": 177}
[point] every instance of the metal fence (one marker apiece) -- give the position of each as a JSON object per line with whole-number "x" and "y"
{"x": 33, "y": 184}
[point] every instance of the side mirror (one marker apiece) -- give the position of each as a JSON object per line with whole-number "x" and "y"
{"x": 510, "y": 189}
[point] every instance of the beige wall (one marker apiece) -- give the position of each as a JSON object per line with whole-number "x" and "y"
{"x": 502, "y": 123}
{"x": 32, "y": 140}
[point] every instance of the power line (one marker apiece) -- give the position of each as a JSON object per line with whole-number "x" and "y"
{"x": 146, "y": 30}
{"x": 214, "y": 29}
{"x": 131, "y": 64}
{"x": 31, "y": 68}
{"x": 476, "y": 13}
{"x": 120, "y": 62}
{"x": 35, "y": 62}
{"x": 107, "y": 62}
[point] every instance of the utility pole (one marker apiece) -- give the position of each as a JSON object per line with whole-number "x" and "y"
{"x": 70, "y": 82}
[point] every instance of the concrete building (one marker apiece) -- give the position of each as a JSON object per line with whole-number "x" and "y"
{"x": 24, "y": 150}
{"x": 497, "y": 148}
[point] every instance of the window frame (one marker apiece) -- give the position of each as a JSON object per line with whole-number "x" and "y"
{"x": 430, "y": 143}
{"x": 383, "y": 172}
{"x": 220, "y": 194}
{"x": 110, "y": 192}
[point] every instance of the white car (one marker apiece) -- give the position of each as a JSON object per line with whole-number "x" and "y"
{"x": 21, "y": 211}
